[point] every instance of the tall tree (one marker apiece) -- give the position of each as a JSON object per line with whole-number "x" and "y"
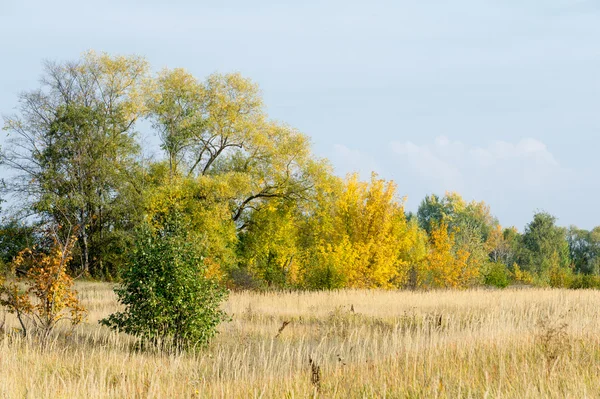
{"x": 73, "y": 146}
{"x": 544, "y": 245}
{"x": 219, "y": 128}
{"x": 584, "y": 249}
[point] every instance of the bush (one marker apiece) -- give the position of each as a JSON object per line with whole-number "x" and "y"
{"x": 522, "y": 276}
{"x": 585, "y": 281}
{"x": 48, "y": 296}
{"x": 497, "y": 275}
{"x": 560, "y": 277}
{"x": 168, "y": 298}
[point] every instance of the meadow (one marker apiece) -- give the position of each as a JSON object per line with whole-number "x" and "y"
{"x": 513, "y": 343}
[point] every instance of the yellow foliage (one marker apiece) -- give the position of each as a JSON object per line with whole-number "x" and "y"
{"x": 446, "y": 267}
{"x": 49, "y": 296}
{"x": 123, "y": 81}
{"x": 362, "y": 234}
{"x": 201, "y": 201}
{"x": 522, "y": 276}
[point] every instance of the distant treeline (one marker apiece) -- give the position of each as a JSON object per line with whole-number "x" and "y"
{"x": 262, "y": 208}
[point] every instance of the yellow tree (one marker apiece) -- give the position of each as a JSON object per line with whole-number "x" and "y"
{"x": 364, "y": 239}
{"x": 447, "y": 267}
{"x": 202, "y": 204}
{"x": 49, "y": 296}
{"x": 219, "y": 128}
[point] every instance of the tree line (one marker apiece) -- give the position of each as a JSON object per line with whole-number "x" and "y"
{"x": 261, "y": 209}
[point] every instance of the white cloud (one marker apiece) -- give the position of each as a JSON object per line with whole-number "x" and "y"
{"x": 347, "y": 160}
{"x": 428, "y": 161}
{"x": 500, "y": 165}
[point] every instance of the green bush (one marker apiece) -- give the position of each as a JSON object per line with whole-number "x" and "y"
{"x": 584, "y": 281}
{"x": 497, "y": 275}
{"x": 167, "y": 296}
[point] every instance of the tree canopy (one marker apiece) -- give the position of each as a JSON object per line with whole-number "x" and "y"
{"x": 261, "y": 209}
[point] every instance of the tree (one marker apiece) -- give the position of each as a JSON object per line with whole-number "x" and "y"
{"x": 268, "y": 248}
{"x": 447, "y": 267}
{"x": 433, "y": 211}
{"x": 168, "y": 297}
{"x": 503, "y": 245}
{"x": 219, "y": 128}
{"x": 584, "y": 249}
{"x": 456, "y": 213}
{"x": 49, "y": 296}
{"x": 469, "y": 223}
{"x": 73, "y": 146}
{"x": 201, "y": 204}
{"x": 360, "y": 237}
{"x": 14, "y": 238}
{"x": 544, "y": 246}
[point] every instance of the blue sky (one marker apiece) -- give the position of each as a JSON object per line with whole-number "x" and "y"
{"x": 499, "y": 100}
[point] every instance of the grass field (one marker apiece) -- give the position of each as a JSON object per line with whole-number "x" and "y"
{"x": 512, "y": 344}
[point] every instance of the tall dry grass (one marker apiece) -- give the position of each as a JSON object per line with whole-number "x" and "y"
{"x": 346, "y": 344}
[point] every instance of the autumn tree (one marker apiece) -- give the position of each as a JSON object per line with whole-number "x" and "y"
{"x": 219, "y": 128}
{"x": 269, "y": 246}
{"x": 447, "y": 267}
{"x": 470, "y": 225}
{"x": 45, "y": 295}
{"x": 363, "y": 239}
{"x": 201, "y": 204}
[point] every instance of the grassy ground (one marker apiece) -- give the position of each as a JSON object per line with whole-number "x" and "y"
{"x": 511, "y": 344}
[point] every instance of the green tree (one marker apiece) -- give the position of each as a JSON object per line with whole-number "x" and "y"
{"x": 15, "y": 237}
{"x": 544, "y": 246}
{"x": 456, "y": 213}
{"x": 73, "y": 147}
{"x": 584, "y": 249}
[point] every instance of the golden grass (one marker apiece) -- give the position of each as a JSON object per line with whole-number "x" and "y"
{"x": 510, "y": 344}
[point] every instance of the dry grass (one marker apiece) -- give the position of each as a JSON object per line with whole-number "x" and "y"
{"x": 511, "y": 344}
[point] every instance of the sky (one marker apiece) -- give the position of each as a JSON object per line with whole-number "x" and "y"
{"x": 497, "y": 100}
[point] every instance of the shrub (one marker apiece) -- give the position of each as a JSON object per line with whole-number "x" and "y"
{"x": 497, "y": 275}
{"x": 522, "y": 276}
{"x": 49, "y": 296}
{"x": 585, "y": 281}
{"x": 168, "y": 298}
{"x": 560, "y": 277}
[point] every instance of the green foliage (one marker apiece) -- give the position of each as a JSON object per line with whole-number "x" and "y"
{"x": 456, "y": 214}
{"x": 584, "y": 281}
{"x": 267, "y": 248}
{"x": 496, "y": 275}
{"x": 544, "y": 246}
{"x": 559, "y": 277}
{"x": 15, "y": 237}
{"x": 74, "y": 149}
{"x": 584, "y": 249}
{"x": 168, "y": 298}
